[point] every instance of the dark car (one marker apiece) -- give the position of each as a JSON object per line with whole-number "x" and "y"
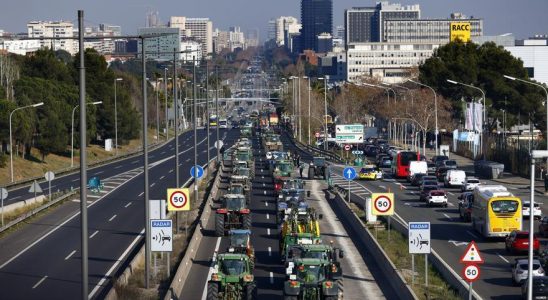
{"x": 431, "y": 168}
{"x": 379, "y": 158}
{"x": 440, "y": 173}
{"x": 466, "y": 200}
{"x": 372, "y": 151}
{"x": 448, "y": 164}
{"x": 543, "y": 227}
{"x": 416, "y": 178}
{"x": 438, "y": 158}
{"x": 428, "y": 178}
{"x": 540, "y": 288}
{"x": 425, "y": 191}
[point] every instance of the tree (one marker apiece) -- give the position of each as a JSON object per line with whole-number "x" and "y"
{"x": 53, "y": 133}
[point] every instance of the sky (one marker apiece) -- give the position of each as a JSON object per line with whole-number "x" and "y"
{"x": 523, "y": 18}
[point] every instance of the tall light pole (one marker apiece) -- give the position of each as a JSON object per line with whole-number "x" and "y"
{"x": 309, "y": 114}
{"x": 165, "y": 95}
{"x": 217, "y": 112}
{"x": 72, "y": 132}
{"x": 299, "y": 109}
{"x": 545, "y": 104}
{"x": 157, "y": 110}
{"x": 325, "y": 141}
{"x": 483, "y": 127}
{"x": 11, "y": 139}
{"x": 435, "y": 110}
{"x": 115, "y": 120}
{"x": 387, "y": 102}
{"x": 176, "y": 117}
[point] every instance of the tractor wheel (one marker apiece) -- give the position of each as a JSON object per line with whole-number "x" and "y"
{"x": 310, "y": 173}
{"x": 219, "y": 225}
{"x": 250, "y": 292}
{"x": 212, "y": 291}
{"x": 247, "y": 221}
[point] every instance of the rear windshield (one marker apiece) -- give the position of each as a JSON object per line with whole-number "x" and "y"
{"x": 450, "y": 163}
{"x": 522, "y": 236}
{"x": 437, "y": 193}
{"x": 431, "y": 183}
{"x": 473, "y": 181}
{"x": 430, "y": 188}
{"x": 524, "y": 266}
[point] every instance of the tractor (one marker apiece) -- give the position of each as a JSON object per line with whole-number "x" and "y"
{"x": 239, "y": 189}
{"x": 282, "y": 168}
{"x": 233, "y": 214}
{"x": 240, "y": 243}
{"x": 243, "y": 176}
{"x": 232, "y": 278}
{"x": 291, "y": 239}
{"x": 317, "y": 251}
{"x": 318, "y": 168}
{"x": 312, "y": 279}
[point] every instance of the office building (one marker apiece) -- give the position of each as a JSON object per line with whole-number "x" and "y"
{"x": 534, "y": 54}
{"x": 37, "y": 29}
{"x": 160, "y": 48}
{"x": 426, "y": 30}
{"x": 282, "y": 26}
{"x": 193, "y": 51}
{"x": 108, "y": 33}
{"x": 252, "y": 38}
{"x": 21, "y": 47}
{"x": 316, "y": 18}
{"x": 366, "y": 24}
{"x": 325, "y": 43}
{"x": 199, "y": 29}
{"x": 504, "y": 40}
{"x": 389, "y": 62}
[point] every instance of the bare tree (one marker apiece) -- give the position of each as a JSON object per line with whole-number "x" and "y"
{"x": 9, "y": 72}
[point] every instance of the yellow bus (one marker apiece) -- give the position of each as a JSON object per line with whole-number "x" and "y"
{"x": 495, "y": 211}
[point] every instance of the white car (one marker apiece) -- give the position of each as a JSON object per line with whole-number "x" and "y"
{"x": 520, "y": 270}
{"x": 537, "y": 213}
{"x": 470, "y": 183}
{"x": 436, "y": 197}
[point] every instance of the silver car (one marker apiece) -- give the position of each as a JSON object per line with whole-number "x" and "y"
{"x": 520, "y": 270}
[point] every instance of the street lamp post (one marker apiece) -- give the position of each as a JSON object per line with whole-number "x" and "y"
{"x": 165, "y": 96}
{"x": 11, "y": 138}
{"x": 435, "y": 110}
{"x": 306, "y": 77}
{"x": 484, "y": 111}
{"x": 72, "y": 132}
{"x": 157, "y": 111}
{"x": 325, "y": 111}
{"x": 115, "y": 120}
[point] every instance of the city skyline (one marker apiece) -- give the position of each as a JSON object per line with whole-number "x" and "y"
{"x": 500, "y": 16}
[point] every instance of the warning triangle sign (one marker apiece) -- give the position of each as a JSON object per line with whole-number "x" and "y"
{"x": 35, "y": 188}
{"x": 472, "y": 254}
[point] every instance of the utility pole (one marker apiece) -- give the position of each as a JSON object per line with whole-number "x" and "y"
{"x": 195, "y": 107}
{"x": 176, "y": 116}
{"x": 145, "y": 172}
{"x": 217, "y": 110}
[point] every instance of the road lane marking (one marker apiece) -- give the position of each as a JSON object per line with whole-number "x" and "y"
{"x": 134, "y": 162}
{"x": 162, "y": 177}
{"x": 447, "y": 216}
{"x": 153, "y": 184}
{"x": 117, "y": 167}
{"x": 39, "y": 282}
{"x": 502, "y": 257}
{"x": 262, "y": 177}
{"x": 269, "y": 251}
{"x": 70, "y": 254}
{"x": 382, "y": 187}
{"x": 204, "y": 294}
{"x": 74, "y": 180}
{"x": 267, "y": 216}
{"x": 264, "y": 184}
{"x": 268, "y": 231}
{"x": 472, "y": 234}
{"x": 271, "y": 278}
{"x": 141, "y": 194}
{"x": 266, "y": 203}
{"x": 264, "y": 192}
{"x": 112, "y": 218}
{"x": 170, "y": 171}
{"x": 93, "y": 234}
{"x": 450, "y": 204}
{"x": 450, "y": 193}
{"x": 127, "y": 205}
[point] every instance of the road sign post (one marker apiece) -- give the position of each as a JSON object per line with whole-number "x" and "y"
{"x": 49, "y": 177}
{"x": 419, "y": 243}
{"x": 197, "y": 172}
{"x": 471, "y": 271}
{"x": 3, "y": 195}
{"x": 161, "y": 234}
{"x": 178, "y": 200}
{"x": 349, "y": 174}
{"x": 35, "y": 188}
{"x": 383, "y": 205}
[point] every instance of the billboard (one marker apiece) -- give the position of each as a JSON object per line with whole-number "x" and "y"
{"x": 460, "y": 31}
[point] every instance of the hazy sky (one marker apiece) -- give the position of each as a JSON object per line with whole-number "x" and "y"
{"x": 521, "y": 17}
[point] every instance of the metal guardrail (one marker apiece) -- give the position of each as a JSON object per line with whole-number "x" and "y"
{"x": 315, "y": 150}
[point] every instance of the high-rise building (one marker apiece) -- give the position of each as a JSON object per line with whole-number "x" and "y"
{"x": 252, "y": 38}
{"x": 325, "y": 43}
{"x": 160, "y": 48}
{"x": 193, "y": 51}
{"x": 200, "y": 29}
{"x": 37, "y": 29}
{"x": 284, "y": 25}
{"x": 534, "y": 54}
{"x": 108, "y": 33}
{"x": 316, "y": 18}
{"x": 366, "y": 24}
{"x": 271, "y": 34}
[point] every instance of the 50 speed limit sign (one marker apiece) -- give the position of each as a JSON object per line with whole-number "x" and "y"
{"x": 383, "y": 204}
{"x": 470, "y": 273}
{"x": 178, "y": 199}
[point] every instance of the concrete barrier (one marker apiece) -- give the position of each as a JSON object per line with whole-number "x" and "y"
{"x": 374, "y": 249}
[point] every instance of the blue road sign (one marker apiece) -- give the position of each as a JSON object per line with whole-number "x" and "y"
{"x": 349, "y": 173}
{"x": 199, "y": 171}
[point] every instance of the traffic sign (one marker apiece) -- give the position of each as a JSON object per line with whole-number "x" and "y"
{"x": 419, "y": 237}
{"x": 35, "y": 188}
{"x": 349, "y": 128}
{"x": 470, "y": 273}
{"x": 199, "y": 171}
{"x": 351, "y": 133}
{"x": 161, "y": 235}
{"x": 347, "y": 147}
{"x": 178, "y": 199}
{"x": 219, "y": 144}
{"x": 383, "y": 204}
{"x": 317, "y": 134}
{"x": 49, "y": 176}
{"x": 3, "y": 193}
{"x": 357, "y": 152}
{"x": 471, "y": 255}
{"x": 349, "y": 173}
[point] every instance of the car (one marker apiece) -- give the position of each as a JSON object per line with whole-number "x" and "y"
{"x": 520, "y": 270}
{"x": 440, "y": 173}
{"x": 466, "y": 200}
{"x": 428, "y": 178}
{"x": 428, "y": 183}
{"x": 380, "y": 157}
{"x": 370, "y": 172}
{"x": 372, "y": 151}
{"x": 540, "y": 288}
{"x": 385, "y": 163}
{"x": 431, "y": 168}
{"x": 543, "y": 227}
{"x": 449, "y": 164}
{"x": 537, "y": 213}
{"x": 416, "y": 167}
{"x": 518, "y": 241}
{"x": 416, "y": 179}
{"x": 425, "y": 191}
{"x": 438, "y": 158}
{"x": 454, "y": 177}
{"x": 470, "y": 183}
{"x": 436, "y": 197}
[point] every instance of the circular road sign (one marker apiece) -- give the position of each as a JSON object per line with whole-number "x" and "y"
{"x": 382, "y": 204}
{"x": 347, "y": 147}
{"x": 178, "y": 199}
{"x": 470, "y": 273}
{"x": 49, "y": 176}
{"x": 317, "y": 134}
{"x": 219, "y": 144}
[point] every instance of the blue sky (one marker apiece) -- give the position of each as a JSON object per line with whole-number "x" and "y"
{"x": 521, "y": 17}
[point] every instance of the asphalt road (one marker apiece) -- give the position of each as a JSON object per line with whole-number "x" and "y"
{"x": 449, "y": 234}
{"x": 49, "y": 268}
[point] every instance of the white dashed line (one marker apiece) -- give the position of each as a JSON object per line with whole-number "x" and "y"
{"x": 450, "y": 193}
{"x": 93, "y": 234}
{"x": 267, "y": 216}
{"x": 269, "y": 251}
{"x": 170, "y": 171}
{"x": 447, "y": 216}
{"x": 271, "y": 278}
{"x": 162, "y": 177}
{"x": 134, "y": 162}
{"x": 117, "y": 167}
{"x": 44, "y": 278}
{"x": 75, "y": 180}
{"x": 153, "y": 184}
{"x": 127, "y": 205}
{"x": 264, "y": 184}
{"x": 112, "y": 218}
{"x": 268, "y": 231}
{"x": 264, "y": 192}
{"x": 502, "y": 257}
{"x": 141, "y": 194}
{"x": 70, "y": 254}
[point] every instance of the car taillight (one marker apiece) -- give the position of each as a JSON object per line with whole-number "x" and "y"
{"x": 222, "y": 211}
{"x": 333, "y": 268}
{"x": 214, "y": 277}
{"x": 244, "y": 211}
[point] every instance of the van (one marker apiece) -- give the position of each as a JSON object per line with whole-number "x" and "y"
{"x": 416, "y": 167}
{"x": 454, "y": 178}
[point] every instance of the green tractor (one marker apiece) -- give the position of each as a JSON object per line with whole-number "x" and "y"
{"x": 282, "y": 168}
{"x": 312, "y": 279}
{"x": 243, "y": 176}
{"x": 240, "y": 242}
{"x": 291, "y": 239}
{"x": 239, "y": 188}
{"x": 317, "y": 251}
{"x": 232, "y": 278}
{"x": 233, "y": 214}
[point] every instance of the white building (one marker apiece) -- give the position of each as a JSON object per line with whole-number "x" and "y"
{"x": 236, "y": 38}
{"x": 194, "y": 51}
{"x": 50, "y": 29}
{"x": 390, "y": 62}
{"x": 283, "y": 26}
{"x": 108, "y": 32}
{"x": 199, "y": 29}
{"x": 21, "y": 47}
{"x": 534, "y": 54}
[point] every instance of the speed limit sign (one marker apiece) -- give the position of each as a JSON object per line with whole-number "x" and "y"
{"x": 470, "y": 273}
{"x": 347, "y": 147}
{"x": 178, "y": 199}
{"x": 383, "y": 204}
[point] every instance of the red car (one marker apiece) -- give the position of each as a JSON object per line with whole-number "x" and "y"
{"x": 518, "y": 241}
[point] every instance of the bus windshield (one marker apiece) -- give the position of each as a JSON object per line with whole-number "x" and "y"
{"x": 504, "y": 206}
{"x": 406, "y": 157}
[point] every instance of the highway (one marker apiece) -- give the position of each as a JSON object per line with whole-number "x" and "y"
{"x": 49, "y": 267}
{"x": 450, "y": 235}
